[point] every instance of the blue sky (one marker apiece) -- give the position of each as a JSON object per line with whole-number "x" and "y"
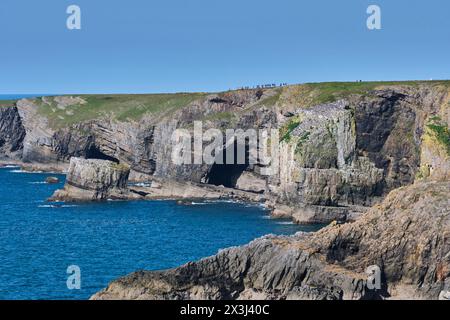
{"x": 138, "y": 46}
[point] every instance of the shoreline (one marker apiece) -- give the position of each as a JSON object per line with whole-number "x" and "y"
{"x": 27, "y": 167}
{"x": 185, "y": 192}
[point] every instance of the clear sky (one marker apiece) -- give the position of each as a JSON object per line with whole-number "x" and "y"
{"x": 138, "y": 46}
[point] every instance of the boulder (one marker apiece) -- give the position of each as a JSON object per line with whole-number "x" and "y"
{"x": 250, "y": 182}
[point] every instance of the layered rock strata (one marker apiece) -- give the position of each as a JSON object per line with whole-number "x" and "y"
{"x": 92, "y": 179}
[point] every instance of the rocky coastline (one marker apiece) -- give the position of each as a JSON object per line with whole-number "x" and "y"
{"x": 329, "y": 264}
{"x": 373, "y": 164}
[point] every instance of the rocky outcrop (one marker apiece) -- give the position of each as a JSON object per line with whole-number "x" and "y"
{"x": 250, "y": 182}
{"x": 94, "y": 179}
{"x": 407, "y": 237}
{"x": 334, "y": 157}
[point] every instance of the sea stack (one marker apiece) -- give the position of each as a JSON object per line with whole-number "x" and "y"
{"x": 93, "y": 179}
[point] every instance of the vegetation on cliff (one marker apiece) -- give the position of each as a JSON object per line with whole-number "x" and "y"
{"x": 131, "y": 107}
{"x": 121, "y": 107}
{"x": 441, "y": 132}
{"x": 311, "y": 94}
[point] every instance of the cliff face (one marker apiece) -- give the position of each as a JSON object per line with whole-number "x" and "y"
{"x": 12, "y": 133}
{"x": 406, "y": 236}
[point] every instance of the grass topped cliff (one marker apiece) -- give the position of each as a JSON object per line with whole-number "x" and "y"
{"x": 64, "y": 111}
{"x": 311, "y": 94}
{"x": 6, "y": 103}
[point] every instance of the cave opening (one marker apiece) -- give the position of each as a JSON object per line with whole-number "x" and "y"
{"x": 227, "y": 174}
{"x": 93, "y": 152}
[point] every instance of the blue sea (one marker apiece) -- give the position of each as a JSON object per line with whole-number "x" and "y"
{"x": 40, "y": 240}
{"x": 20, "y": 96}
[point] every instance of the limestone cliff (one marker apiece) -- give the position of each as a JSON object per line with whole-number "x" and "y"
{"x": 343, "y": 146}
{"x": 12, "y": 133}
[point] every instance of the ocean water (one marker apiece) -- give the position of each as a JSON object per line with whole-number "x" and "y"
{"x": 20, "y": 96}
{"x": 39, "y": 240}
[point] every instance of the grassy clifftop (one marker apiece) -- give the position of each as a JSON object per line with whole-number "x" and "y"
{"x": 7, "y": 103}
{"x": 311, "y": 94}
{"x": 64, "y": 112}
{"x": 67, "y": 110}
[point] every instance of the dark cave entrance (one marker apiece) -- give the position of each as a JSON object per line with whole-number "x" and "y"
{"x": 228, "y": 174}
{"x": 93, "y": 152}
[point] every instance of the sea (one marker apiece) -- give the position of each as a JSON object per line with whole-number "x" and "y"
{"x": 20, "y": 96}
{"x": 40, "y": 241}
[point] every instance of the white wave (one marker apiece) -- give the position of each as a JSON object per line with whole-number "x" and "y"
{"x": 140, "y": 184}
{"x": 47, "y": 206}
{"x": 38, "y": 182}
{"x": 199, "y": 203}
{"x": 285, "y": 222}
{"x": 223, "y": 201}
{"x": 38, "y": 172}
{"x": 57, "y": 206}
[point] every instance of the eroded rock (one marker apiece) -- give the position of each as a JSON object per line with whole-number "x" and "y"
{"x": 93, "y": 179}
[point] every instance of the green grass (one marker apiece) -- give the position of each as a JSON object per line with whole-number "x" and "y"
{"x": 287, "y": 130}
{"x": 301, "y": 141}
{"x": 134, "y": 107}
{"x": 119, "y": 107}
{"x": 311, "y": 94}
{"x": 7, "y": 103}
{"x": 441, "y": 132}
{"x": 272, "y": 100}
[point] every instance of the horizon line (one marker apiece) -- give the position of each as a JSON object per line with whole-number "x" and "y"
{"x": 37, "y": 95}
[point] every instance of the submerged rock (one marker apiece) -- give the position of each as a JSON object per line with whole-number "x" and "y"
{"x": 93, "y": 179}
